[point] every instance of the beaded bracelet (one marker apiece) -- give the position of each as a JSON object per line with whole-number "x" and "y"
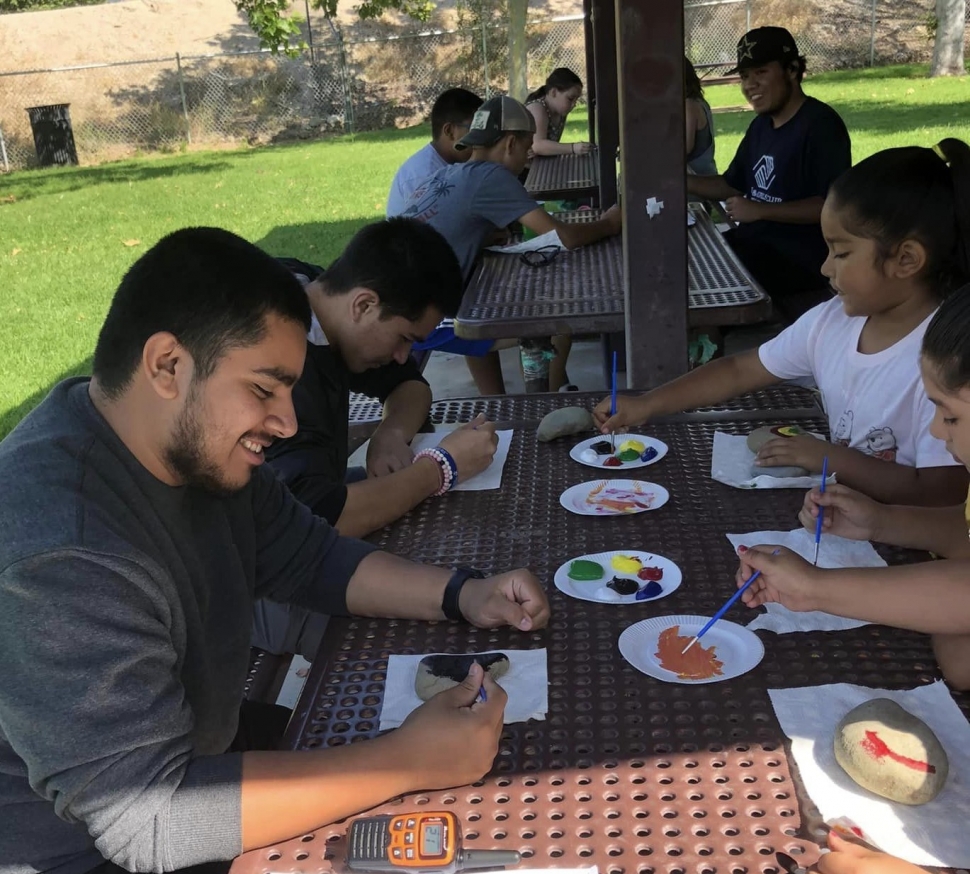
{"x": 449, "y": 470}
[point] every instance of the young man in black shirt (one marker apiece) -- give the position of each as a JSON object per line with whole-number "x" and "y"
{"x": 776, "y": 185}
{"x": 390, "y": 287}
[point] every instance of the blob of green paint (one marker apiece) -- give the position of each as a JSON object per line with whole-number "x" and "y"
{"x": 628, "y": 455}
{"x": 584, "y": 570}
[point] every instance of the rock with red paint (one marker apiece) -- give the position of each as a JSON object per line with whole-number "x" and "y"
{"x": 890, "y": 752}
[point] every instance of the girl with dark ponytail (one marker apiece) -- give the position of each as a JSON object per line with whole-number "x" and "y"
{"x": 897, "y": 227}
{"x": 550, "y": 105}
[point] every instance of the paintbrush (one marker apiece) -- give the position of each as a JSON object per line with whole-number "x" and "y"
{"x": 727, "y": 606}
{"x": 613, "y": 406}
{"x": 821, "y": 511}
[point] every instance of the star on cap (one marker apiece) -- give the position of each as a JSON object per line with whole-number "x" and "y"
{"x": 745, "y": 48}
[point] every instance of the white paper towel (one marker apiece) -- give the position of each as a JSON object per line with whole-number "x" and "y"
{"x": 731, "y": 463}
{"x": 490, "y": 478}
{"x": 834, "y": 552}
{"x": 526, "y": 683}
{"x": 929, "y": 834}
{"x": 543, "y": 241}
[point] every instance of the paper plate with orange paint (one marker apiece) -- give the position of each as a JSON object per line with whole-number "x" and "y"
{"x": 654, "y": 647}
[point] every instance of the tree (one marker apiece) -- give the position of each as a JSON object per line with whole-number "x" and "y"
{"x": 29, "y": 5}
{"x": 279, "y": 30}
{"x": 951, "y": 17}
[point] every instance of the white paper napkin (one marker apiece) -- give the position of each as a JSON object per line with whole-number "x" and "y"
{"x": 526, "y": 683}
{"x": 731, "y": 463}
{"x": 549, "y": 238}
{"x": 834, "y": 552}
{"x": 490, "y": 478}
{"x": 928, "y": 834}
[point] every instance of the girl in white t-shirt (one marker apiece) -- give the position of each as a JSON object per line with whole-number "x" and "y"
{"x": 933, "y": 597}
{"x": 897, "y": 226}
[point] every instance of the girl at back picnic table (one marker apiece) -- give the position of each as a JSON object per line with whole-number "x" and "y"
{"x": 700, "y": 125}
{"x": 933, "y": 597}
{"x": 550, "y": 106}
{"x": 897, "y": 226}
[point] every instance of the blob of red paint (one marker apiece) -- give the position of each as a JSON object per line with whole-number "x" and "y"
{"x": 651, "y": 574}
{"x": 878, "y": 749}
{"x": 612, "y": 461}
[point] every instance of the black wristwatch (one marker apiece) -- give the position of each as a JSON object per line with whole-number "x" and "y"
{"x": 449, "y": 601}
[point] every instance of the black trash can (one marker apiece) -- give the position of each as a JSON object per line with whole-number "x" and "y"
{"x": 53, "y": 136}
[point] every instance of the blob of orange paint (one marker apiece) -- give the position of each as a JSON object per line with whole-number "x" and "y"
{"x": 697, "y": 663}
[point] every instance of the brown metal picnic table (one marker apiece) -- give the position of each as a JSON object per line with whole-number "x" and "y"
{"x": 564, "y": 176}
{"x": 581, "y": 291}
{"x": 626, "y": 772}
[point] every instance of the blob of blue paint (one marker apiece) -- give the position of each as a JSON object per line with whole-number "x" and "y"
{"x": 651, "y": 590}
{"x": 648, "y": 454}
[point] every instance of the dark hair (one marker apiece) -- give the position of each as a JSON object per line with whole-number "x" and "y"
{"x": 453, "y": 106}
{"x": 208, "y": 287}
{"x": 913, "y": 193}
{"x": 946, "y": 343}
{"x": 692, "y": 84}
{"x": 562, "y": 79}
{"x": 405, "y": 262}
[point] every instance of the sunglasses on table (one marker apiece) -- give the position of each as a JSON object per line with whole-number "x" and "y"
{"x": 540, "y": 257}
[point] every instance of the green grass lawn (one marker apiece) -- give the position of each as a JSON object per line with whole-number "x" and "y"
{"x": 69, "y": 234}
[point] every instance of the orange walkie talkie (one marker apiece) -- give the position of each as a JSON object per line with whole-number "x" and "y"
{"x": 417, "y": 842}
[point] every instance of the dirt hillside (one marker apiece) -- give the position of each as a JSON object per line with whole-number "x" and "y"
{"x": 139, "y": 29}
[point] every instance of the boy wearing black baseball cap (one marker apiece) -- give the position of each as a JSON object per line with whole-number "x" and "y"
{"x": 774, "y": 189}
{"x": 466, "y": 203}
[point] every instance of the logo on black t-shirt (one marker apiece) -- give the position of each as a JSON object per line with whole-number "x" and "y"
{"x": 764, "y": 172}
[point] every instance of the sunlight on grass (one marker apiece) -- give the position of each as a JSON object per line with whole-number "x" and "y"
{"x": 69, "y": 234}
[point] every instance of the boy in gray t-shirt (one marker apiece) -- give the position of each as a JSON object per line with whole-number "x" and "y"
{"x": 467, "y": 202}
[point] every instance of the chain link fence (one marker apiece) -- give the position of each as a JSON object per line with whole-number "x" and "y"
{"x": 343, "y": 85}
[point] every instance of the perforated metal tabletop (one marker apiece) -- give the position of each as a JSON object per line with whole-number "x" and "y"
{"x": 626, "y": 772}
{"x": 555, "y": 176}
{"x": 581, "y": 291}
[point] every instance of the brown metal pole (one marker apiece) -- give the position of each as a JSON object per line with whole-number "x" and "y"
{"x": 650, "y": 40}
{"x": 608, "y": 133}
{"x": 590, "y": 68}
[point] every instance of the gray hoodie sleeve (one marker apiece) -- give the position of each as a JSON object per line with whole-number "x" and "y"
{"x": 299, "y": 557}
{"x": 92, "y": 705}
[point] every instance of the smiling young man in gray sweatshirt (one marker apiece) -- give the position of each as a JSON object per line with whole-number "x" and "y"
{"x": 137, "y": 526}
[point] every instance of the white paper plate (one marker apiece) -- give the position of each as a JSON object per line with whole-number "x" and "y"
{"x": 647, "y": 496}
{"x": 739, "y": 649}
{"x": 586, "y": 591}
{"x": 659, "y": 445}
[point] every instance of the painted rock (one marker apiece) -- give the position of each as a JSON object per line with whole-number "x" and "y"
{"x": 890, "y": 752}
{"x": 559, "y": 423}
{"x": 757, "y": 470}
{"x": 760, "y": 436}
{"x": 585, "y": 570}
{"x": 436, "y": 673}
